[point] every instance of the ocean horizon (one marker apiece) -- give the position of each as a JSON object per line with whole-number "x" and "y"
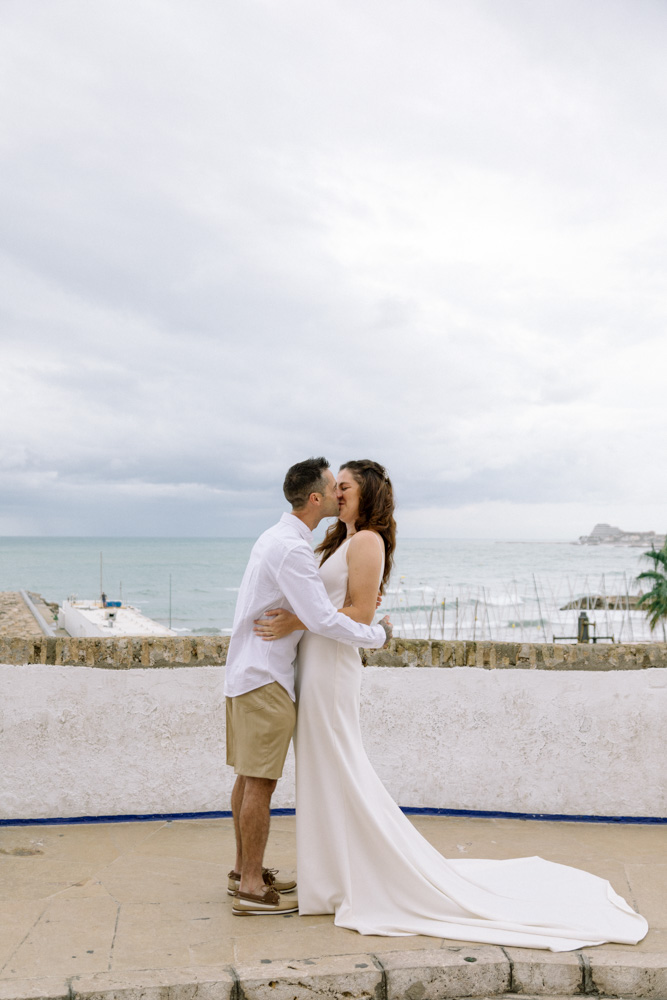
{"x": 443, "y": 588}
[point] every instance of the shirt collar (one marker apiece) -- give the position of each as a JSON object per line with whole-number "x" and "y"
{"x": 297, "y": 523}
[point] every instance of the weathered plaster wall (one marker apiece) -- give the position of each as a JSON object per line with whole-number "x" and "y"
{"x": 76, "y": 741}
{"x": 124, "y": 735}
{"x": 580, "y": 743}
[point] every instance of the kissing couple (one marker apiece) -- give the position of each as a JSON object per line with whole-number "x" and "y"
{"x": 297, "y": 630}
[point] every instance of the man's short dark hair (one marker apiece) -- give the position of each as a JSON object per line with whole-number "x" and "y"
{"x": 303, "y": 479}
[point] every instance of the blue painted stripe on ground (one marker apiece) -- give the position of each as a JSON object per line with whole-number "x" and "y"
{"x": 408, "y": 810}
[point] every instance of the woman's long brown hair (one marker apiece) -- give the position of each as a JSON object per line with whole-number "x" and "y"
{"x": 376, "y": 512}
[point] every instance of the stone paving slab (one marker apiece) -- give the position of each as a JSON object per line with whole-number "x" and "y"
{"x": 15, "y": 617}
{"x": 139, "y": 911}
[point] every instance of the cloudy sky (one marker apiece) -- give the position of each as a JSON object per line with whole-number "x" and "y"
{"x": 429, "y": 232}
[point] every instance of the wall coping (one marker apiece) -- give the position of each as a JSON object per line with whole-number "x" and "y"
{"x": 211, "y": 651}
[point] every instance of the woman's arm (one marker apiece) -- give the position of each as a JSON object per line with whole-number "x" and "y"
{"x": 277, "y": 624}
{"x": 365, "y": 557}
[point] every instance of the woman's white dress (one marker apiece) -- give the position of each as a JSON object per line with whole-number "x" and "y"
{"x": 358, "y": 855}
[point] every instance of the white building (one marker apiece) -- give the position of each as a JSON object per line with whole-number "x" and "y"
{"x": 93, "y": 619}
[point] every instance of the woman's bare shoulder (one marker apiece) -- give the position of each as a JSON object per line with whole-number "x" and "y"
{"x": 367, "y": 540}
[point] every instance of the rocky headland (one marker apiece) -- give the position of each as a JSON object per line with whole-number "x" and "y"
{"x": 608, "y": 534}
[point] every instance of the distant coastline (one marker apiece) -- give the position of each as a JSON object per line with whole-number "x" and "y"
{"x": 608, "y": 534}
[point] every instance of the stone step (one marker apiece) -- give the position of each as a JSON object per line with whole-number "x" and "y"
{"x": 481, "y": 971}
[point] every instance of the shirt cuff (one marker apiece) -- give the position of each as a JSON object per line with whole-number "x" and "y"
{"x": 381, "y": 632}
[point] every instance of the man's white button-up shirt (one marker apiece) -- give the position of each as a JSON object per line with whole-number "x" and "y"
{"x": 282, "y": 572}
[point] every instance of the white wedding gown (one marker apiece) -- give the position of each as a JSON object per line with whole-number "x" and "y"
{"x": 358, "y": 855}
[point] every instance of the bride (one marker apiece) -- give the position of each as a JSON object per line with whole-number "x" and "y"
{"x": 358, "y": 855}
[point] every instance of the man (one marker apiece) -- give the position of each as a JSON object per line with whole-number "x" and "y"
{"x": 259, "y": 680}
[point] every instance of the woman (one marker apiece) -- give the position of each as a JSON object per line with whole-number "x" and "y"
{"x": 358, "y": 856}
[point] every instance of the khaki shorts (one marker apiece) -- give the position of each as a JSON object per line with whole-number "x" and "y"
{"x": 260, "y": 724}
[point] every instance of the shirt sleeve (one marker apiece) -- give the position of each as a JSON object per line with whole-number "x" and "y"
{"x": 299, "y": 580}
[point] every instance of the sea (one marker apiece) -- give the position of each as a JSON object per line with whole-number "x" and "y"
{"x": 439, "y": 588}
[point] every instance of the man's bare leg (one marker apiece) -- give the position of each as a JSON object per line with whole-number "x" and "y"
{"x": 255, "y": 818}
{"x": 237, "y": 801}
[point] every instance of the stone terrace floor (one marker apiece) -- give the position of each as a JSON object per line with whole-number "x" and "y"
{"x": 121, "y": 899}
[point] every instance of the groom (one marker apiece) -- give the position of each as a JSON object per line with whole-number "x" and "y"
{"x": 259, "y": 679}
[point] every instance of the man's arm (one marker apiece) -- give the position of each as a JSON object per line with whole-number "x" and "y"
{"x": 299, "y": 580}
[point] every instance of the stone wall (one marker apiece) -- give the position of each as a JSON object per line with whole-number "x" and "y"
{"x": 210, "y": 651}
{"x": 101, "y": 727}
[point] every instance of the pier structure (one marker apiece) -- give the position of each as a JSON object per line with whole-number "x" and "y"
{"x": 97, "y": 619}
{"x": 26, "y": 615}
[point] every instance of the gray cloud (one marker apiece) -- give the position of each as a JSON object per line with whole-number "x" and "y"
{"x": 236, "y": 236}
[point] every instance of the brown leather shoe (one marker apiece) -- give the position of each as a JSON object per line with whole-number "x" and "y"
{"x": 247, "y": 904}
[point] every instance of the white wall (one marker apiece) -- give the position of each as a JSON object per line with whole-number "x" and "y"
{"x": 82, "y": 741}
{"x": 574, "y": 742}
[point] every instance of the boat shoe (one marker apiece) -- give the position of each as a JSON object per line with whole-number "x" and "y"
{"x": 248, "y": 904}
{"x": 271, "y": 877}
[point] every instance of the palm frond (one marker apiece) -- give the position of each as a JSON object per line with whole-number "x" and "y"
{"x": 651, "y": 574}
{"x": 654, "y": 601}
{"x": 657, "y": 556}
